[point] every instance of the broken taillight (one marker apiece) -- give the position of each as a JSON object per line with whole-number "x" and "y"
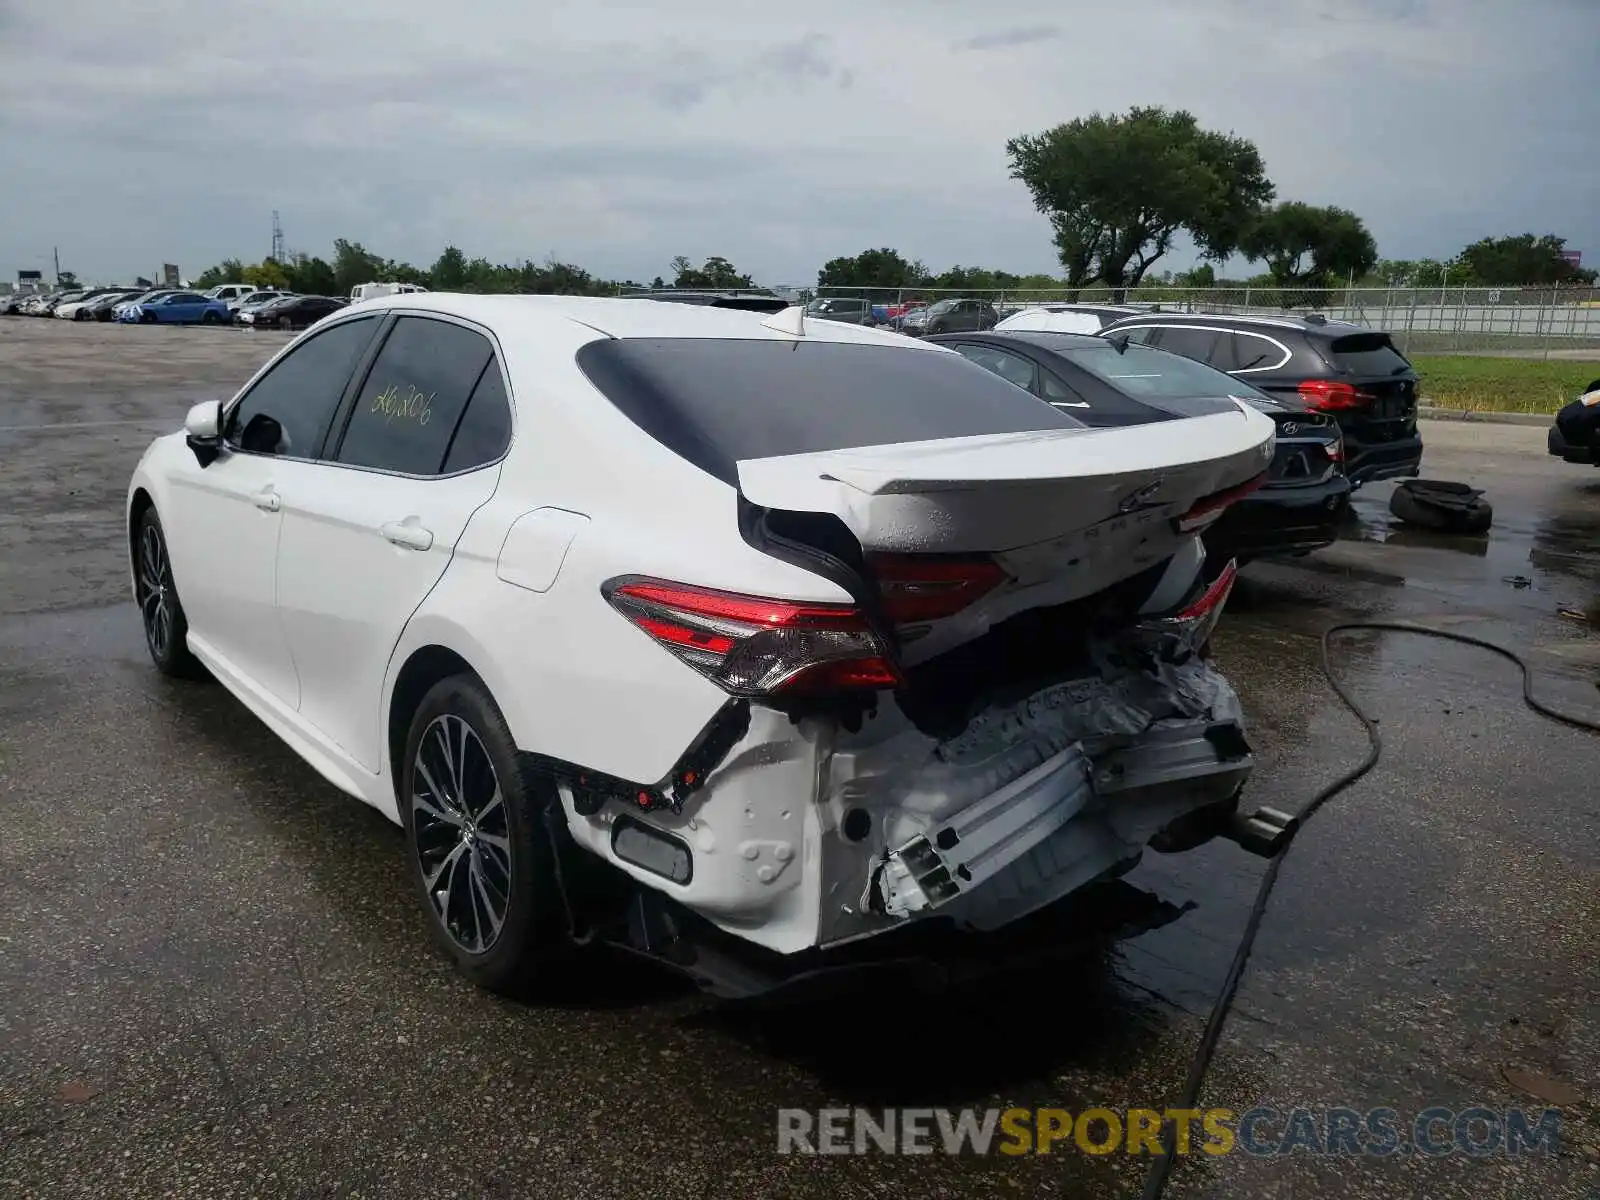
{"x": 1197, "y": 619}
{"x": 916, "y": 588}
{"x": 1207, "y": 510}
{"x": 754, "y": 646}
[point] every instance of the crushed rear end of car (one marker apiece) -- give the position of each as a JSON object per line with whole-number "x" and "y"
{"x": 1016, "y": 700}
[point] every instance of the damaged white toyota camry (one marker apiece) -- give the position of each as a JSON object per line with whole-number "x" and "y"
{"x": 733, "y": 639}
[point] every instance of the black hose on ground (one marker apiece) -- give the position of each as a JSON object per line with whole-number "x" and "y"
{"x": 1161, "y": 1165}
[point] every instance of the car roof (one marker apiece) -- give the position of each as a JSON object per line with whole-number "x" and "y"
{"x": 1301, "y": 324}
{"x": 628, "y": 317}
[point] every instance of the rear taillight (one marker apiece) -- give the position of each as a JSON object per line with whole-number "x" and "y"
{"x": 1336, "y": 450}
{"x": 1332, "y": 395}
{"x": 915, "y": 588}
{"x": 1195, "y": 622}
{"x": 753, "y": 646}
{"x": 1211, "y": 507}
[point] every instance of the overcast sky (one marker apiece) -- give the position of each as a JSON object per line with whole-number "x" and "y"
{"x": 615, "y": 136}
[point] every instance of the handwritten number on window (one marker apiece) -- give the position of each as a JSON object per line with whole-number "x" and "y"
{"x": 407, "y": 405}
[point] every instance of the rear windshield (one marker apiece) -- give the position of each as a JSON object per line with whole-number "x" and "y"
{"x": 717, "y": 401}
{"x": 1368, "y": 354}
{"x": 1156, "y": 376}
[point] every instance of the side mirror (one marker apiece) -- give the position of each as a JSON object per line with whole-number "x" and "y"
{"x": 203, "y": 430}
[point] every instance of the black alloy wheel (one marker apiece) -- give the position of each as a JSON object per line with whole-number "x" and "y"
{"x": 481, "y": 854}
{"x": 166, "y": 628}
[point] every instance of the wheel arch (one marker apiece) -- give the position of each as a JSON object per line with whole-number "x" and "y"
{"x": 423, "y": 668}
{"x": 139, "y": 503}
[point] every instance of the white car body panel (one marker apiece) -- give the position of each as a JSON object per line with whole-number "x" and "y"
{"x": 1044, "y": 321}
{"x": 392, "y": 538}
{"x": 308, "y": 589}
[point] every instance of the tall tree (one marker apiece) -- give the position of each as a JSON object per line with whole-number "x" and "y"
{"x": 353, "y": 264}
{"x": 717, "y": 272}
{"x": 268, "y": 273}
{"x": 1498, "y": 262}
{"x": 1305, "y": 246}
{"x": 881, "y": 268}
{"x": 1119, "y": 189}
{"x": 313, "y": 277}
{"x": 449, "y": 271}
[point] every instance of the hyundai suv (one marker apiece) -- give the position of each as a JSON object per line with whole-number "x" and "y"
{"x": 1354, "y": 374}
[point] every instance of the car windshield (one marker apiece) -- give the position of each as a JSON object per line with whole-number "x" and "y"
{"x": 1145, "y": 371}
{"x": 835, "y": 305}
{"x": 942, "y": 306}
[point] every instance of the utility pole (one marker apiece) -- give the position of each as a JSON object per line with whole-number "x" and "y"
{"x": 278, "y": 252}
{"x": 56, "y": 251}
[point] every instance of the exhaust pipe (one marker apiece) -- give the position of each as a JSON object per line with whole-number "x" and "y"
{"x": 1264, "y": 832}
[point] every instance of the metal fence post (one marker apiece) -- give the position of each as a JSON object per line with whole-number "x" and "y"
{"x": 1551, "y": 334}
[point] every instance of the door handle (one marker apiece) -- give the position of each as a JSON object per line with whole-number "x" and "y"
{"x": 267, "y": 499}
{"x": 408, "y": 534}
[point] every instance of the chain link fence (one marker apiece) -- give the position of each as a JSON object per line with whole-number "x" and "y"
{"x": 1535, "y": 321}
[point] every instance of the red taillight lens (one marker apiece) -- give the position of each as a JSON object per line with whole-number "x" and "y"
{"x": 753, "y": 646}
{"x": 915, "y": 588}
{"x": 1208, "y": 510}
{"x": 1331, "y": 395}
{"x": 1336, "y": 450}
{"x": 1214, "y": 597}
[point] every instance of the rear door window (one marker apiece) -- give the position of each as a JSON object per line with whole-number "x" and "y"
{"x": 407, "y": 411}
{"x": 1371, "y": 354}
{"x": 1140, "y": 335}
{"x": 1191, "y": 343}
{"x": 485, "y": 429}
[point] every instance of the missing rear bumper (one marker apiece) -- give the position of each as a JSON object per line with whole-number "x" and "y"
{"x": 1115, "y": 785}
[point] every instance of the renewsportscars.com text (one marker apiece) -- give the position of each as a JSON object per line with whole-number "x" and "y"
{"x": 1434, "y": 1132}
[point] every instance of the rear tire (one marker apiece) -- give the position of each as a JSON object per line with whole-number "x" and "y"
{"x": 211, "y": 318}
{"x": 481, "y": 856}
{"x": 166, "y": 628}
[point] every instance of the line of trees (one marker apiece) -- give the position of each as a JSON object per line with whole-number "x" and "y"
{"x": 1492, "y": 262}
{"x": 1118, "y": 191}
{"x": 352, "y": 264}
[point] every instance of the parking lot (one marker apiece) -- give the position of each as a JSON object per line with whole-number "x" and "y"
{"x": 216, "y": 981}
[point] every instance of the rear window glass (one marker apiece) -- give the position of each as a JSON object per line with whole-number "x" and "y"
{"x": 1155, "y": 375}
{"x": 717, "y": 401}
{"x": 1368, "y": 354}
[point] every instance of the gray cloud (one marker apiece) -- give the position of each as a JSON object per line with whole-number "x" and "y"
{"x": 1005, "y": 38}
{"x": 617, "y": 135}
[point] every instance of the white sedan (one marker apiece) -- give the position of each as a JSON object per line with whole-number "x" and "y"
{"x": 731, "y": 638}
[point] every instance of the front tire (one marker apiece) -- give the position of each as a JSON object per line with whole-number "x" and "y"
{"x": 211, "y": 318}
{"x": 166, "y": 628}
{"x": 481, "y": 857}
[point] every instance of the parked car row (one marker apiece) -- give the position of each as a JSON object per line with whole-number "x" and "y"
{"x": 227, "y": 304}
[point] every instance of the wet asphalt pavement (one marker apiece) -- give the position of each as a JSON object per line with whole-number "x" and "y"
{"x": 214, "y": 981}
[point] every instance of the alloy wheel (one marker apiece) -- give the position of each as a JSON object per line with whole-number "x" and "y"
{"x": 460, "y": 833}
{"x": 155, "y": 590}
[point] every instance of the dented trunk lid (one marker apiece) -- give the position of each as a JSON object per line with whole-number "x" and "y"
{"x": 1015, "y": 494}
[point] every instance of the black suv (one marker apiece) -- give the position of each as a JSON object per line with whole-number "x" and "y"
{"x": 1352, "y": 373}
